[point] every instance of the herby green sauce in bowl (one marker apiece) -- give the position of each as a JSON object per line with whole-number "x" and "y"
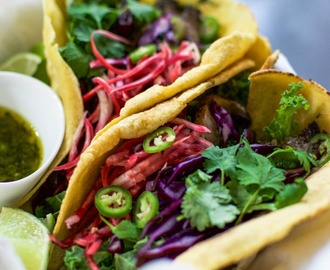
{"x": 32, "y": 125}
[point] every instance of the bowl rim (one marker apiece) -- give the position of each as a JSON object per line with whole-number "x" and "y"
{"x": 60, "y": 130}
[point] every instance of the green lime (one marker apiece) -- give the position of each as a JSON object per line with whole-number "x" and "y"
{"x": 28, "y": 235}
{"x": 39, "y": 49}
{"x": 25, "y": 62}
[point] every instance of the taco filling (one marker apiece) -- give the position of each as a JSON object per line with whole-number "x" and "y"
{"x": 202, "y": 173}
{"x": 117, "y": 50}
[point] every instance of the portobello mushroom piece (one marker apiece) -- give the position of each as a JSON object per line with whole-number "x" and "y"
{"x": 238, "y": 115}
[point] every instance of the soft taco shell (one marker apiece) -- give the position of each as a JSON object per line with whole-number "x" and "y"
{"x": 133, "y": 126}
{"x": 247, "y": 239}
{"x": 239, "y": 36}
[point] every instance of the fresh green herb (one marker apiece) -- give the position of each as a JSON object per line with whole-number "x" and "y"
{"x": 284, "y": 125}
{"x": 84, "y": 18}
{"x": 74, "y": 259}
{"x": 142, "y": 12}
{"x": 323, "y": 149}
{"x": 291, "y": 194}
{"x": 51, "y": 205}
{"x": 125, "y": 230}
{"x": 125, "y": 261}
{"x": 76, "y": 58}
{"x": 261, "y": 179}
{"x": 288, "y": 158}
{"x": 207, "y": 204}
{"x": 222, "y": 159}
{"x": 249, "y": 182}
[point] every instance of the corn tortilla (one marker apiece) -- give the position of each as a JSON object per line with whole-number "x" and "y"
{"x": 239, "y": 40}
{"x": 238, "y": 32}
{"x": 247, "y": 239}
{"x": 250, "y": 237}
{"x": 133, "y": 126}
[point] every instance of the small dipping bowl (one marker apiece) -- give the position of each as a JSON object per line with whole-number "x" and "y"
{"x": 42, "y": 108}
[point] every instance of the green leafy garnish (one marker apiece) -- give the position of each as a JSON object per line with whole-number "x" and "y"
{"x": 125, "y": 230}
{"x": 222, "y": 159}
{"x": 291, "y": 194}
{"x": 288, "y": 158}
{"x": 284, "y": 125}
{"x": 74, "y": 259}
{"x": 142, "y": 12}
{"x": 248, "y": 182}
{"x": 84, "y": 18}
{"x": 207, "y": 204}
{"x": 323, "y": 142}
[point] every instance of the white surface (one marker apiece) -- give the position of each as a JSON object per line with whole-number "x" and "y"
{"x": 21, "y": 24}
{"x": 38, "y": 103}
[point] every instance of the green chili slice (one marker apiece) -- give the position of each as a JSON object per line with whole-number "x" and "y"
{"x": 209, "y": 29}
{"x": 113, "y": 201}
{"x": 159, "y": 140}
{"x": 146, "y": 50}
{"x": 324, "y": 147}
{"x": 147, "y": 206}
{"x": 178, "y": 27}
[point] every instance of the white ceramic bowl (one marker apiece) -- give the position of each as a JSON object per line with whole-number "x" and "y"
{"x": 40, "y": 105}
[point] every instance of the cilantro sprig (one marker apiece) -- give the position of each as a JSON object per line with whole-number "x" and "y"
{"x": 248, "y": 182}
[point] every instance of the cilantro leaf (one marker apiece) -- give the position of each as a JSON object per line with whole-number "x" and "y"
{"x": 125, "y": 261}
{"x": 291, "y": 194}
{"x": 323, "y": 141}
{"x": 92, "y": 14}
{"x": 261, "y": 179}
{"x": 283, "y": 125}
{"x": 76, "y": 58}
{"x": 142, "y": 12}
{"x": 208, "y": 205}
{"x": 51, "y": 205}
{"x": 74, "y": 259}
{"x": 126, "y": 230}
{"x": 198, "y": 177}
{"x": 241, "y": 194}
{"x": 255, "y": 169}
{"x": 221, "y": 158}
{"x": 289, "y": 158}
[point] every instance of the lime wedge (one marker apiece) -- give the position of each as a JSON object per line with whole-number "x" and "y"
{"x": 28, "y": 235}
{"x": 25, "y": 62}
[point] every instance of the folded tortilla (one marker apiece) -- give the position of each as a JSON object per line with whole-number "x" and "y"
{"x": 244, "y": 240}
{"x": 247, "y": 239}
{"x": 239, "y": 38}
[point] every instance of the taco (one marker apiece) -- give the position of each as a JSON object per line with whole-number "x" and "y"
{"x": 195, "y": 197}
{"x": 95, "y": 71}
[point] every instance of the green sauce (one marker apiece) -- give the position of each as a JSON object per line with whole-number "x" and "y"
{"x": 20, "y": 146}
